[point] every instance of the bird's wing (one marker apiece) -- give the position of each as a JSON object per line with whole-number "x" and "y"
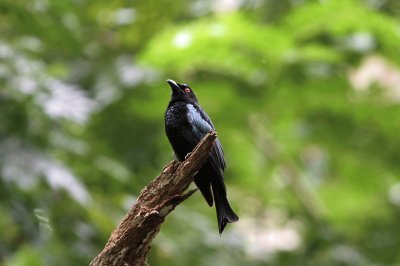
{"x": 201, "y": 125}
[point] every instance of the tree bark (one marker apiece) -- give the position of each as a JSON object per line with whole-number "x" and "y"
{"x": 129, "y": 243}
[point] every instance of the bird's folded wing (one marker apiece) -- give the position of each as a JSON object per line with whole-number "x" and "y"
{"x": 201, "y": 125}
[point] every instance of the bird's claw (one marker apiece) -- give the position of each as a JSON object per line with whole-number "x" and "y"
{"x": 187, "y": 155}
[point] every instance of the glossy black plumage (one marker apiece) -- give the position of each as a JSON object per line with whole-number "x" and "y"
{"x": 186, "y": 124}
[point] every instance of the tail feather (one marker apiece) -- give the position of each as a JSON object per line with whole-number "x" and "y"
{"x": 212, "y": 187}
{"x": 203, "y": 182}
{"x": 225, "y": 214}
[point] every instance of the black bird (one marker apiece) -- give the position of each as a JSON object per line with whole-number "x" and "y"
{"x": 186, "y": 124}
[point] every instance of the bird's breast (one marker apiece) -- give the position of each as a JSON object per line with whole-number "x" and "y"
{"x": 175, "y": 116}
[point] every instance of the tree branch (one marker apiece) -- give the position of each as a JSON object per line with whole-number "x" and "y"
{"x": 130, "y": 242}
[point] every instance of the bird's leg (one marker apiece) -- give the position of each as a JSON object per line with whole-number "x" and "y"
{"x": 187, "y": 155}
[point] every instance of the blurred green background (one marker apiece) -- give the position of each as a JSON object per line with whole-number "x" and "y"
{"x": 304, "y": 95}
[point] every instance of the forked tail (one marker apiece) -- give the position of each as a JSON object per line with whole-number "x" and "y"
{"x": 225, "y": 214}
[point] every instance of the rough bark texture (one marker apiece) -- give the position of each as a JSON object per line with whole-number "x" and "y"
{"x": 130, "y": 242}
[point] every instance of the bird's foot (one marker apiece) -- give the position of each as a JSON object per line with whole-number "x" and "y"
{"x": 187, "y": 155}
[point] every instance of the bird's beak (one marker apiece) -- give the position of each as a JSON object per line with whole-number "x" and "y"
{"x": 174, "y": 86}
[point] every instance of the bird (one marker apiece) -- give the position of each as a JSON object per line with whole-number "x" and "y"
{"x": 186, "y": 123}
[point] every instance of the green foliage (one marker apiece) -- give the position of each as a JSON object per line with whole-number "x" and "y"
{"x": 312, "y": 155}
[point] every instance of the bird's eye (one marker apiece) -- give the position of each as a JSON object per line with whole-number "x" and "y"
{"x": 187, "y": 90}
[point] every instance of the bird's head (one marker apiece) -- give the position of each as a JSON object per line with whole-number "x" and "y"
{"x": 181, "y": 92}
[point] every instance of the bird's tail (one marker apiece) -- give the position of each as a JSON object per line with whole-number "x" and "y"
{"x": 225, "y": 214}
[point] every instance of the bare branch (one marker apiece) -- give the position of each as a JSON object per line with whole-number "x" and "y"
{"x": 129, "y": 243}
